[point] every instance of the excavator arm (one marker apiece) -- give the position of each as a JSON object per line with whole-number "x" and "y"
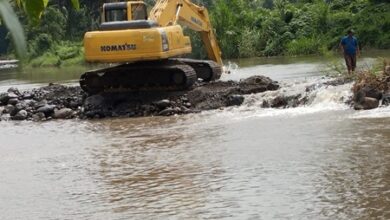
{"x": 171, "y": 12}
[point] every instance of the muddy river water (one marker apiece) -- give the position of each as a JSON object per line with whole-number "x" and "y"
{"x": 320, "y": 161}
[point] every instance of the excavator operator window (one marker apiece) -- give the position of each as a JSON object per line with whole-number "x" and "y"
{"x": 138, "y": 12}
{"x": 116, "y": 15}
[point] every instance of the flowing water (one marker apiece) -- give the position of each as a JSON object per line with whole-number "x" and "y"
{"x": 319, "y": 161}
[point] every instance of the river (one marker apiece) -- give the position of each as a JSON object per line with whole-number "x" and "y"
{"x": 320, "y": 161}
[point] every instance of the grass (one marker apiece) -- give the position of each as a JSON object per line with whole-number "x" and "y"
{"x": 61, "y": 54}
{"x": 304, "y": 46}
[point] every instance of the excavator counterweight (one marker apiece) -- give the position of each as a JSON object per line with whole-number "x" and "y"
{"x": 148, "y": 48}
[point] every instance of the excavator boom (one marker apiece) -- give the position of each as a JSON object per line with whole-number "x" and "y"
{"x": 168, "y": 12}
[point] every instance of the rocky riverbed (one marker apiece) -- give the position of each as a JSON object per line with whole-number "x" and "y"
{"x": 65, "y": 102}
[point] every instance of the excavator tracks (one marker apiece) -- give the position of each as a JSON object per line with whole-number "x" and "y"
{"x": 167, "y": 75}
{"x": 206, "y": 70}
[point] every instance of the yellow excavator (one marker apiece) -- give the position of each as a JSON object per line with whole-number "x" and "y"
{"x": 149, "y": 48}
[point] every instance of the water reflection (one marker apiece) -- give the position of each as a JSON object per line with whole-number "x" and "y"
{"x": 357, "y": 184}
{"x": 156, "y": 166}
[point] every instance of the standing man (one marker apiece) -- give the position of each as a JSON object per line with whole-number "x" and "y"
{"x": 350, "y": 47}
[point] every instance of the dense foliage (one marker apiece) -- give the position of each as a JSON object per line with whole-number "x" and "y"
{"x": 281, "y": 27}
{"x": 245, "y": 28}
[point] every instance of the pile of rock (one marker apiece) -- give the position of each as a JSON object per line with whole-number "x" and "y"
{"x": 53, "y": 101}
{"x": 64, "y": 102}
{"x": 204, "y": 96}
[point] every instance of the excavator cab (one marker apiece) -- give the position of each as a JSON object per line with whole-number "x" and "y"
{"x": 124, "y": 11}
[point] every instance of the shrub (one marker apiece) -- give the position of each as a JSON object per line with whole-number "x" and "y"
{"x": 311, "y": 45}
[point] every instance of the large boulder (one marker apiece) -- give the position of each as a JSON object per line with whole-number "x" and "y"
{"x": 21, "y": 115}
{"x": 257, "y": 84}
{"x": 5, "y": 97}
{"x": 63, "y": 113}
{"x": 235, "y": 100}
{"x": 14, "y": 91}
{"x": 372, "y": 92}
{"x": 366, "y": 103}
{"x": 47, "y": 109}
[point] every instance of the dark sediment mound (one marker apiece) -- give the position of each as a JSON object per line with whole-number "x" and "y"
{"x": 370, "y": 90}
{"x": 220, "y": 94}
{"x": 64, "y": 102}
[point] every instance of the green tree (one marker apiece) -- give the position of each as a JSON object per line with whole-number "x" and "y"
{"x": 33, "y": 9}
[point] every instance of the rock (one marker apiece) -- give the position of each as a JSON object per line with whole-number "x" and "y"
{"x": 162, "y": 104}
{"x": 367, "y": 103}
{"x": 27, "y": 95}
{"x": 9, "y": 109}
{"x": 4, "y": 98}
{"x": 5, "y": 117}
{"x": 47, "y": 109}
{"x": 256, "y": 84}
{"x": 386, "y": 99}
{"x": 14, "y": 91}
{"x": 20, "y": 106}
{"x": 30, "y": 102}
{"x": 63, "y": 113}
{"x": 387, "y": 70}
{"x": 12, "y": 95}
{"x": 372, "y": 93}
{"x": 279, "y": 101}
{"x": 74, "y": 104}
{"x": 41, "y": 103}
{"x": 187, "y": 104}
{"x": 13, "y": 101}
{"x": 38, "y": 116}
{"x": 94, "y": 101}
{"x": 167, "y": 112}
{"x": 234, "y": 100}
{"x": 177, "y": 110}
{"x": 184, "y": 99}
{"x": 21, "y": 115}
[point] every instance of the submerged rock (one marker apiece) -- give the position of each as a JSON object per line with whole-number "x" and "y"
{"x": 386, "y": 99}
